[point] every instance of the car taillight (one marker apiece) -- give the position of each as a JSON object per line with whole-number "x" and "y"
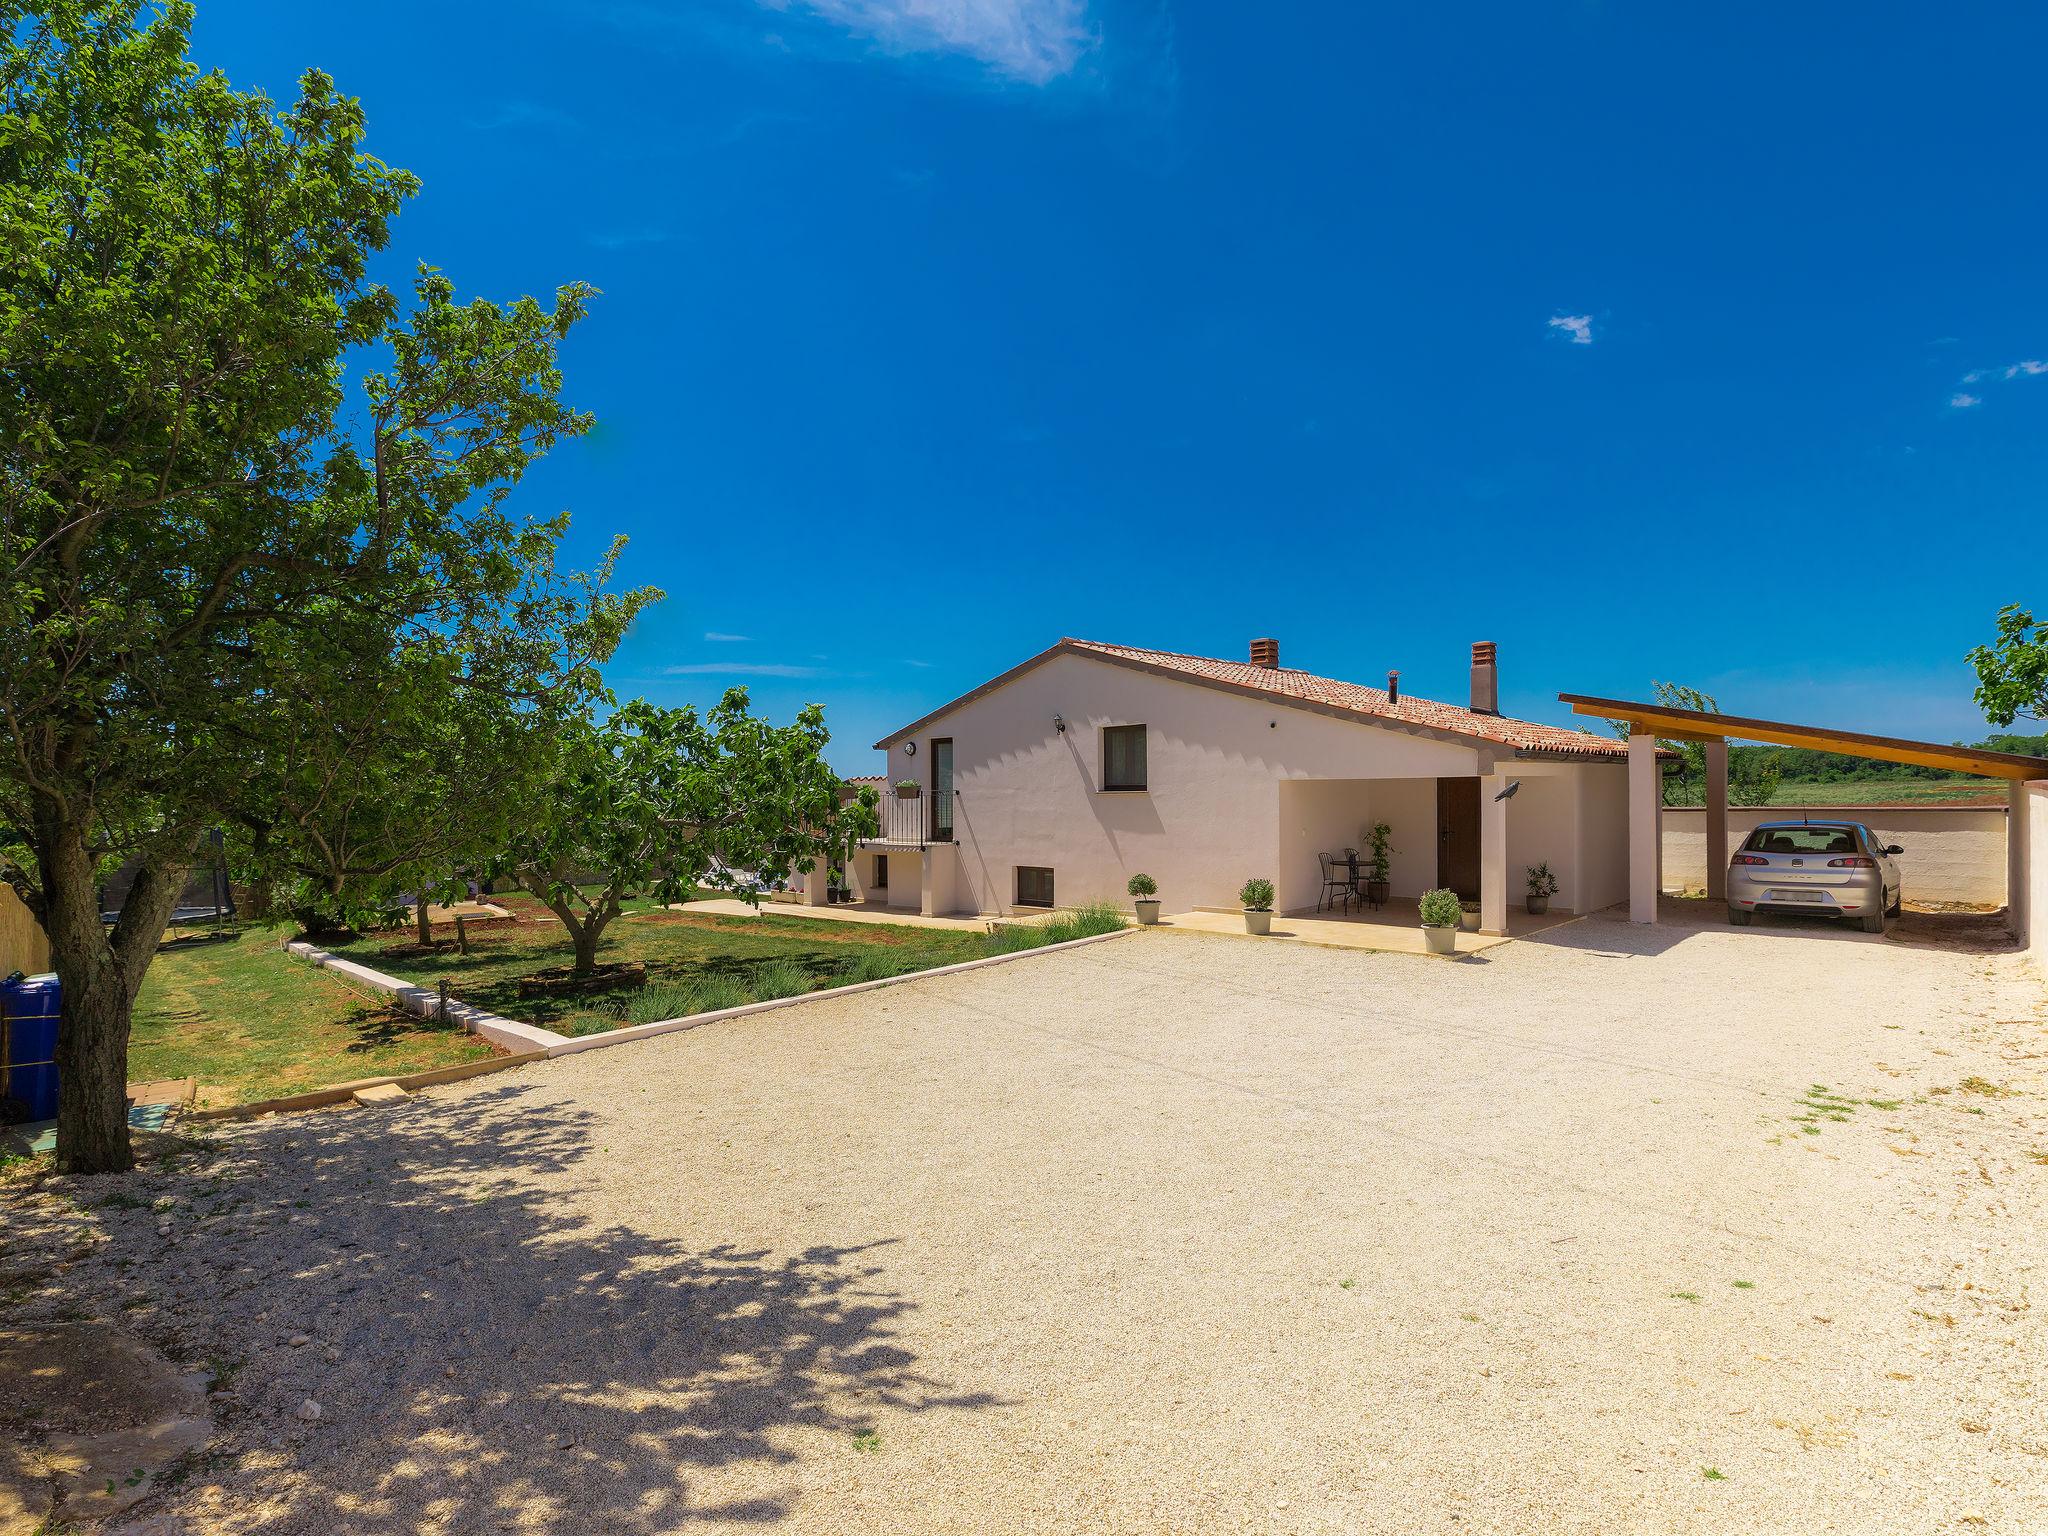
{"x": 1749, "y": 858}
{"x": 1855, "y": 861}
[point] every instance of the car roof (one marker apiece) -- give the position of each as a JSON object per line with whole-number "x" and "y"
{"x": 1807, "y": 821}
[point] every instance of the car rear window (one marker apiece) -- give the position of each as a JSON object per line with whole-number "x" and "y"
{"x": 1801, "y": 840}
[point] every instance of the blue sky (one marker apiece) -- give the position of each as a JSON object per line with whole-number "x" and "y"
{"x": 1651, "y": 342}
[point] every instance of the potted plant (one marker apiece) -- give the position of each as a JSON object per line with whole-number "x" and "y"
{"x": 1256, "y": 897}
{"x": 1378, "y": 838}
{"x": 1440, "y": 911}
{"x": 1468, "y": 916}
{"x": 1145, "y": 897}
{"x": 906, "y": 789}
{"x": 1542, "y": 886}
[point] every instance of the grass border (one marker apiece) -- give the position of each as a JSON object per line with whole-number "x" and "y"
{"x": 419, "y": 1000}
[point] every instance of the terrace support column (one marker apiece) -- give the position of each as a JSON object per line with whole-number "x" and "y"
{"x": 1717, "y": 821}
{"x": 2018, "y": 849}
{"x": 1645, "y": 826}
{"x": 816, "y": 879}
{"x": 1493, "y": 855}
{"x": 939, "y": 890}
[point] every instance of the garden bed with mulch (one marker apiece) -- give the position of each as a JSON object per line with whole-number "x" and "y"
{"x": 562, "y": 981}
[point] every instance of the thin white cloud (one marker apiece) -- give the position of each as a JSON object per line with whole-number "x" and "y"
{"x": 909, "y": 663}
{"x": 1963, "y": 402}
{"x": 1035, "y": 41}
{"x": 738, "y": 669}
{"x": 725, "y": 639}
{"x": 1580, "y": 326}
{"x": 1976, "y": 375}
{"x": 2033, "y": 367}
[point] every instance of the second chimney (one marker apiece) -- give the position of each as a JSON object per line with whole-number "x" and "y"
{"x": 1393, "y": 687}
{"x": 1266, "y": 653}
{"x": 1485, "y": 679}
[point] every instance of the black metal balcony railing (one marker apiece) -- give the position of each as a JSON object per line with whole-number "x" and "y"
{"x": 926, "y": 819}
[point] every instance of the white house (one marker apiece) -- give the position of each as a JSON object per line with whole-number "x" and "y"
{"x": 1054, "y": 782}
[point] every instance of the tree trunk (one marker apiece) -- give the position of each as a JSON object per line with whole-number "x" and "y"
{"x": 585, "y": 936}
{"x": 419, "y": 914}
{"x": 100, "y": 973}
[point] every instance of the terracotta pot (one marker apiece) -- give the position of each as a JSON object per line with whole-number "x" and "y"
{"x": 1537, "y": 904}
{"x": 1257, "y": 922}
{"x": 1148, "y": 910}
{"x": 1378, "y": 891}
{"x": 1441, "y": 941}
{"x": 907, "y": 794}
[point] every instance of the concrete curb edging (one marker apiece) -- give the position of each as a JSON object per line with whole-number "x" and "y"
{"x": 341, "y": 1093}
{"x": 423, "y": 1001}
{"x": 529, "y": 1042}
{"x": 632, "y": 1032}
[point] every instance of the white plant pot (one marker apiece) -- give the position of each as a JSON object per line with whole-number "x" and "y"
{"x": 1148, "y": 910}
{"x": 1258, "y": 922}
{"x": 1468, "y": 919}
{"x": 1441, "y": 941}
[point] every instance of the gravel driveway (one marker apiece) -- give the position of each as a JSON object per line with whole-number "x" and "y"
{"x": 1675, "y": 1230}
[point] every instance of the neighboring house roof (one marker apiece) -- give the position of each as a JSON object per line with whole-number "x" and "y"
{"x": 1324, "y": 695}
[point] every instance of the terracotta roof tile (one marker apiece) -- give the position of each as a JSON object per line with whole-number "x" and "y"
{"x": 1284, "y": 683}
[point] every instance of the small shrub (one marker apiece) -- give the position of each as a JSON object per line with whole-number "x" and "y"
{"x": 783, "y": 978}
{"x": 658, "y": 1001}
{"x": 1440, "y": 909}
{"x": 1083, "y": 922}
{"x": 1379, "y": 838}
{"x": 1256, "y": 895}
{"x": 1541, "y": 881}
{"x": 869, "y": 965}
{"x": 1143, "y": 887}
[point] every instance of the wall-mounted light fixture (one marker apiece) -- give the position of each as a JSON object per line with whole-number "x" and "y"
{"x": 1059, "y": 724}
{"x": 910, "y": 749}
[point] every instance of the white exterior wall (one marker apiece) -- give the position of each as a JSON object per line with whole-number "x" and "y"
{"x": 2034, "y": 919}
{"x": 1953, "y": 853}
{"x": 1212, "y": 815}
{"x": 1602, "y": 864}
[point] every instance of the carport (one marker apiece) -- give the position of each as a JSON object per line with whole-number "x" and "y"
{"x": 1647, "y": 722}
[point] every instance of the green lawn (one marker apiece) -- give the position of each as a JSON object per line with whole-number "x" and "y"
{"x": 249, "y": 1023}
{"x": 695, "y": 962}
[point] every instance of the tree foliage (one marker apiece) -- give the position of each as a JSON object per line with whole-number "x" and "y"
{"x": 657, "y": 801}
{"x": 1753, "y": 772}
{"x": 252, "y": 506}
{"x": 2012, "y": 671}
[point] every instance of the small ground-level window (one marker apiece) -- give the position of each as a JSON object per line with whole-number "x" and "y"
{"x": 1034, "y": 886}
{"x": 1123, "y": 757}
{"x": 881, "y": 871}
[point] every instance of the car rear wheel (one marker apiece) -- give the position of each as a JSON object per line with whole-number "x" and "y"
{"x": 1898, "y": 902}
{"x": 1738, "y": 917}
{"x": 1874, "y": 923}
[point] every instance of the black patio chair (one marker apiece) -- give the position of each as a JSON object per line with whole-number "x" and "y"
{"x": 1338, "y": 878}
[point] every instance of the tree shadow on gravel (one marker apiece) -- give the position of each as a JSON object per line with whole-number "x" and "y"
{"x": 494, "y": 1344}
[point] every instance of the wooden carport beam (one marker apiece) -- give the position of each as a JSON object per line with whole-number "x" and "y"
{"x": 1701, "y": 725}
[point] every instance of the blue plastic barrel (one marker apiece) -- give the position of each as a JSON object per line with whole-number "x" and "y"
{"x": 29, "y": 1010}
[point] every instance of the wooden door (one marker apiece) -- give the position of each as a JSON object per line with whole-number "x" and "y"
{"x": 1457, "y": 836}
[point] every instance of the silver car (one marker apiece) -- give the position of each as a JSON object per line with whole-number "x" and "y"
{"x": 1820, "y": 868}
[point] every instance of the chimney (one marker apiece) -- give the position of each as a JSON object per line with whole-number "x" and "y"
{"x": 1393, "y": 687}
{"x": 1266, "y": 653}
{"x": 1485, "y": 679}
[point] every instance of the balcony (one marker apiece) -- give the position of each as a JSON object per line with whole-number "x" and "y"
{"x": 914, "y": 823}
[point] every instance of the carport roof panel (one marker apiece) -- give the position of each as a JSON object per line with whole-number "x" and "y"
{"x": 1693, "y": 723}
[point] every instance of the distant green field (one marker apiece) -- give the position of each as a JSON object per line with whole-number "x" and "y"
{"x": 1888, "y": 792}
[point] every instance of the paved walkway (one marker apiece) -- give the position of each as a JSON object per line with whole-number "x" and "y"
{"x": 1395, "y": 928}
{"x": 726, "y": 906}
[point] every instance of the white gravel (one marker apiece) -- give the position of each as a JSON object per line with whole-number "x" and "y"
{"x": 1176, "y": 1234}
